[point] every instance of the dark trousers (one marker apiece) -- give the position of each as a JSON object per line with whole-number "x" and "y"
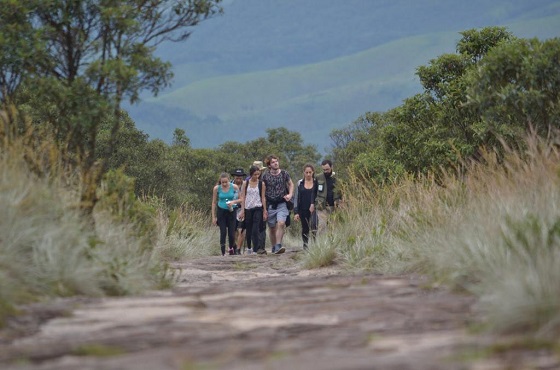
{"x": 262, "y": 236}
{"x": 253, "y": 221}
{"x": 308, "y": 223}
{"x": 226, "y": 222}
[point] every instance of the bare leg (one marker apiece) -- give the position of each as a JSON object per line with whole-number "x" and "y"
{"x": 280, "y": 229}
{"x": 240, "y": 238}
{"x": 272, "y": 235}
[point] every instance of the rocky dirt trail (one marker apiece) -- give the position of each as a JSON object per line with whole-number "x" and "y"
{"x": 260, "y": 312}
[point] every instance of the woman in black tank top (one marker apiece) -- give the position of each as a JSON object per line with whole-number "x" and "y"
{"x": 304, "y": 207}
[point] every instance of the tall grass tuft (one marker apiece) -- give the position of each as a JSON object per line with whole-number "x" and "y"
{"x": 493, "y": 231}
{"x": 43, "y": 248}
{"x": 49, "y": 248}
{"x": 363, "y": 229}
{"x": 501, "y": 240}
{"x": 185, "y": 233}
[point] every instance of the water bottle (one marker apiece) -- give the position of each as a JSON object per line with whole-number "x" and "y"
{"x": 230, "y": 206}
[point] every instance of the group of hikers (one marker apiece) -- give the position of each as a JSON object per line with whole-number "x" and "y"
{"x": 245, "y": 206}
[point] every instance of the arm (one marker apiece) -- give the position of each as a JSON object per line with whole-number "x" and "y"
{"x": 242, "y": 194}
{"x": 313, "y": 196}
{"x": 290, "y": 190}
{"x": 238, "y": 200}
{"x": 263, "y": 200}
{"x": 296, "y": 200}
{"x": 214, "y": 205}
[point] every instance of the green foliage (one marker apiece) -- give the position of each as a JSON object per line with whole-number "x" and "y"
{"x": 495, "y": 88}
{"x": 517, "y": 88}
{"x": 183, "y": 176}
{"x": 361, "y": 137}
{"x": 80, "y": 59}
{"x": 117, "y": 196}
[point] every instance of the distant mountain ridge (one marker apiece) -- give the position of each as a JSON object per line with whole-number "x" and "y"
{"x": 314, "y": 65}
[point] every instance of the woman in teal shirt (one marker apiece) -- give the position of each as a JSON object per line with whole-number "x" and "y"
{"x": 223, "y": 215}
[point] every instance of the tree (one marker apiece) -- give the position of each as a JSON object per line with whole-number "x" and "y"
{"x": 84, "y": 57}
{"x": 361, "y": 136}
{"x": 516, "y": 88}
{"x": 288, "y": 146}
{"x": 430, "y": 130}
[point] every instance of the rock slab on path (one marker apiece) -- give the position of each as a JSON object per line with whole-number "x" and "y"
{"x": 259, "y": 312}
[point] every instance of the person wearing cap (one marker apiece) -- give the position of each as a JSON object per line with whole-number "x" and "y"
{"x": 238, "y": 176}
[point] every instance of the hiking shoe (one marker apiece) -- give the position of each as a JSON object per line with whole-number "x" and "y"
{"x": 261, "y": 251}
{"x": 231, "y": 252}
{"x": 280, "y": 250}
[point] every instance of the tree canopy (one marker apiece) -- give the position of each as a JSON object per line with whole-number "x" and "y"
{"x": 492, "y": 90}
{"x": 72, "y": 62}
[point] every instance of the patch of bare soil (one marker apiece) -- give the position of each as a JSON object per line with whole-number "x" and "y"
{"x": 261, "y": 312}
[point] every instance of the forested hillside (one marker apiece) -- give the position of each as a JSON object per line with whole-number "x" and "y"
{"x": 314, "y": 65}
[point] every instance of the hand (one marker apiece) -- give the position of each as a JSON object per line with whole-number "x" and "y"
{"x": 296, "y": 217}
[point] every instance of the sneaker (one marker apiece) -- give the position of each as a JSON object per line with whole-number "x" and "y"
{"x": 280, "y": 249}
{"x": 273, "y": 249}
{"x": 231, "y": 252}
{"x": 261, "y": 251}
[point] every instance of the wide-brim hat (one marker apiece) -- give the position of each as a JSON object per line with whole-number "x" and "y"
{"x": 238, "y": 172}
{"x": 259, "y": 164}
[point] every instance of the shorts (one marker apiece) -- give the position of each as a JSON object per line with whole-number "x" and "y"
{"x": 240, "y": 224}
{"x": 280, "y": 214}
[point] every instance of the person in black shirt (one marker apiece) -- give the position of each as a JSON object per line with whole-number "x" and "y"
{"x": 304, "y": 204}
{"x": 328, "y": 194}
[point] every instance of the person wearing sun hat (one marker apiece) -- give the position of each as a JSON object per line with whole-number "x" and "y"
{"x": 238, "y": 177}
{"x": 259, "y": 164}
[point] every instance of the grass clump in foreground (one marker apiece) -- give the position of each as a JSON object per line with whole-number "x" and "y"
{"x": 49, "y": 248}
{"x": 494, "y": 232}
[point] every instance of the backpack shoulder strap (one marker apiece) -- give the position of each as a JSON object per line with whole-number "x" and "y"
{"x": 259, "y": 185}
{"x": 285, "y": 178}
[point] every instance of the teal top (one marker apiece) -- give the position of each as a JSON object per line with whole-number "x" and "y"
{"x": 224, "y": 197}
